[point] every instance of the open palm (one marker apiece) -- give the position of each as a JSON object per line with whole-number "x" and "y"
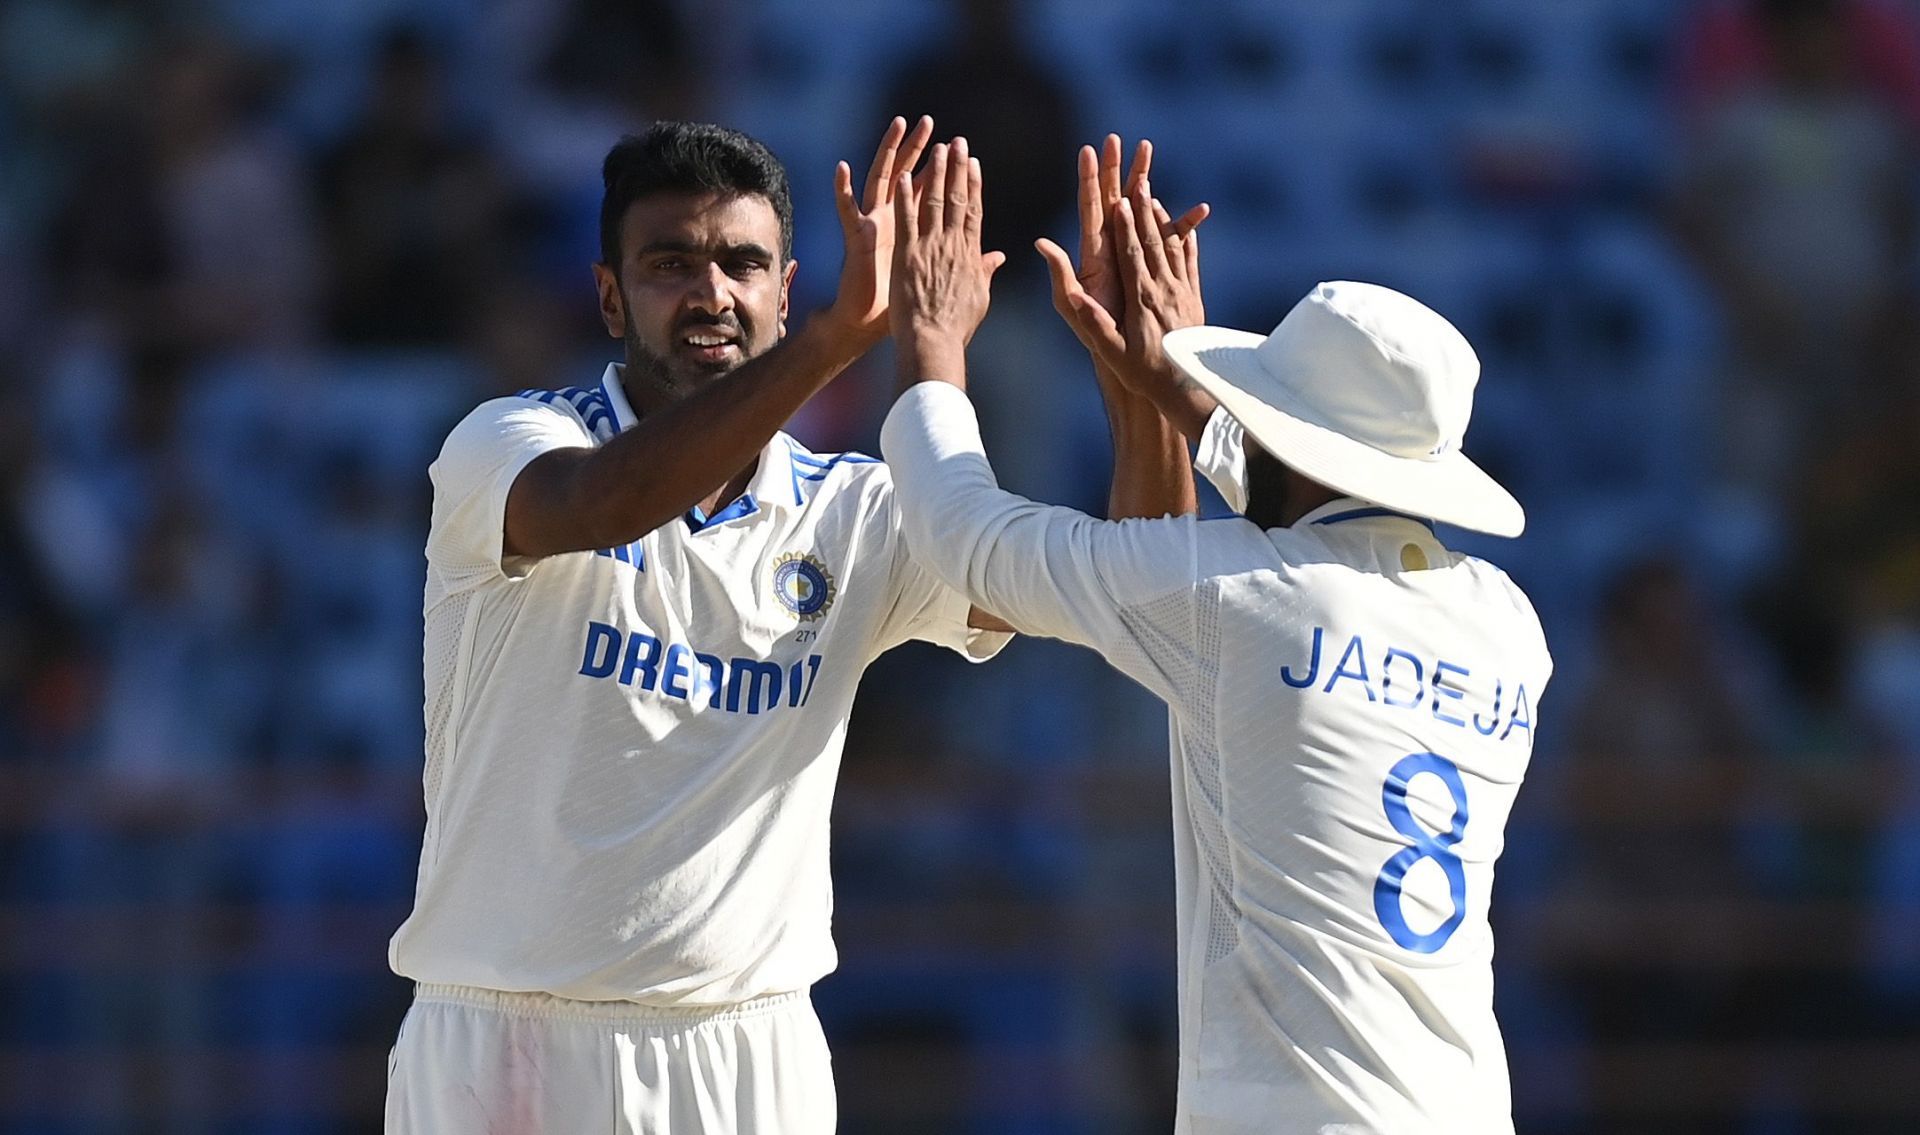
{"x": 867, "y": 225}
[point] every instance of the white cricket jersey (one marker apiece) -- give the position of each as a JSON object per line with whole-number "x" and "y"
{"x": 631, "y": 752}
{"x": 1352, "y": 712}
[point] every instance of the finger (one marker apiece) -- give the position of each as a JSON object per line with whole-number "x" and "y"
{"x": 933, "y": 192}
{"x": 976, "y": 203}
{"x": 1191, "y": 220}
{"x": 1059, "y": 274}
{"x": 1072, "y": 301}
{"x": 1093, "y": 214}
{"x": 991, "y": 261}
{"x": 843, "y": 202}
{"x": 880, "y": 173}
{"x": 1172, "y": 245}
{"x": 1132, "y": 258}
{"x": 1192, "y": 251}
{"x": 1110, "y": 173}
{"x": 1102, "y": 336}
{"x": 914, "y": 145}
{"x": 903, "y": 210}
{"x": 959, "y": 173}
{"x": 1141, "y": 209}
{"x": 1142, "y": 162}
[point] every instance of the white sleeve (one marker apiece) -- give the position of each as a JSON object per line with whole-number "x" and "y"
{"x": 476, "y": 468}
{"x": 1047, "y": 570}
{"x": 1221, "y": 457}
{"x": 927, "y": 610}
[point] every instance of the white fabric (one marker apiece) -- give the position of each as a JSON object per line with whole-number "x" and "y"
{"x": 1364, "y": 390}
{"x": 1308, "y": 669}
{"x": 472, "y": 1060}
{"x": 637, "y": 747}
{"x": 1221, "y": 457}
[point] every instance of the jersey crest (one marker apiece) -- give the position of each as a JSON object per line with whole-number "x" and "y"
{"x": 803, "y": 585}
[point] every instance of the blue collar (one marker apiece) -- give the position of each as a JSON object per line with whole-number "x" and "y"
{"x": 1369, "y": 513}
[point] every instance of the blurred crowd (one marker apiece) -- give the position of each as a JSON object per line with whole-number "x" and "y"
{"x": 256, "y": 256}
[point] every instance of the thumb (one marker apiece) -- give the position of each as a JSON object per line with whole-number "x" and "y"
{"x": 992, "y": 261}
{"x": 1099, "y": 332}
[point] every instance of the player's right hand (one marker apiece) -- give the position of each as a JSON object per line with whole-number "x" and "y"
{"x": 867, "y": 225}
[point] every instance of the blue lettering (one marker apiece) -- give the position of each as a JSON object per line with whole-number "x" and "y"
{"x": 1522, "y": 719}
{"x": 1494, "y": 721}
{"x": 712, "y": 675}
{"x": 1440, "y": 670}
{"x": 1357, "y": 652}
{"x": 795, "y": 687}
{"x": 1386, "y": 679}
{"x": 813, "y": 671}
{"x": 674, "y": 685}
{"x": 753, "y": 675}
{"x": 1313, "y": 667}
{"x": 600, "y": 635}
{"x": 648, "y": 666}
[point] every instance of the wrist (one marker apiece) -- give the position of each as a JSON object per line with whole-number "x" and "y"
{"x": 847, "y": 335}
{"x": 929, "y": 352}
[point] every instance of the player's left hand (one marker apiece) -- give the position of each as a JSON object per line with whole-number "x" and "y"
{"x": 1159, "y": 269}
{"x": 867, "y": 225}
{"x": 941, "y": 278}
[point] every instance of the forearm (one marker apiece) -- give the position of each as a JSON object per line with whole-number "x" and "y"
{"x": 1181, "y": 402}
{"x": 1152, "y": 473}
{"x": 575, "y": 500}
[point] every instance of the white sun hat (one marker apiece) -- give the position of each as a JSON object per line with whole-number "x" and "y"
{"x": 1364, "y": 390}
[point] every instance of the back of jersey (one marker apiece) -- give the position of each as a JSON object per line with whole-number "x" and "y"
{"x": 1349, "y": 766}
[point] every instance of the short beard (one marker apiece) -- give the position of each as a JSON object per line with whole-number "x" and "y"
{"x": 648, "y": 375}
{"x": 653, "y": 376}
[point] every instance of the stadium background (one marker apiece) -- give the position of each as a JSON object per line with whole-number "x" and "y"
{"x": 257, "y": 255}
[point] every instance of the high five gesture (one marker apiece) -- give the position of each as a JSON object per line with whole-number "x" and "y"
{"x": 941, "y": 278}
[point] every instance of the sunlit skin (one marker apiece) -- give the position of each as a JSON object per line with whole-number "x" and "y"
{"x": 702, "y": 288}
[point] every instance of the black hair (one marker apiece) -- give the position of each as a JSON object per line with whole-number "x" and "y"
{"x": 693, "y": 158}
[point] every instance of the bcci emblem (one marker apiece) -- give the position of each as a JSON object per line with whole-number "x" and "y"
{"x": 803, "y": 585}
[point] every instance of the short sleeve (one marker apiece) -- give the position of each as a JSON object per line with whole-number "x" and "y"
{"x": 476, "y": 468}
{"x": 1221, "y": 457}
{"x": 926, "y": 610}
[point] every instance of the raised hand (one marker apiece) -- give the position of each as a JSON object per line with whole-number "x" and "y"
{"x": 1098, "y": 278}
{"x": 1159, "y": 270}
{"x": 867, "y": 225}
{"x": 941, "y": 278}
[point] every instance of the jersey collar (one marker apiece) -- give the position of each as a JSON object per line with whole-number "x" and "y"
{"x": 765, "y": 488}
{"x": 1344, "y": 510}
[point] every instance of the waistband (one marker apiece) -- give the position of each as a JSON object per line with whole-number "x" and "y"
{"x": 546, "y": 1005}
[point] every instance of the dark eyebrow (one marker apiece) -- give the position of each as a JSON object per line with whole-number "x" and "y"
{"x": 687, "y": 248}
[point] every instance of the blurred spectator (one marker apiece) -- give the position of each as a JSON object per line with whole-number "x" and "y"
{"x": 1669, "y": 717}
{"x": 1728, "y": 47}
{"x": 1022, "y": 124}
{"x": 1796, "y": 201}
{"x": 641, "y": 53}
{"x": 413, "y": 211}
{"x": 192, "y": 233}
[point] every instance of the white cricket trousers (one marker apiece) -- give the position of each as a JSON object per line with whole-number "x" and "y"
{"x": 473, "y": 1061}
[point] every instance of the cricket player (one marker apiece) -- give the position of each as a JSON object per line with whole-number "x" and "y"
{"x": 647, "y": 609}
{"x": 1352, "y": 702}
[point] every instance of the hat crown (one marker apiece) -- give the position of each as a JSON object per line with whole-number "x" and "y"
{"x": 1377, "y": 366}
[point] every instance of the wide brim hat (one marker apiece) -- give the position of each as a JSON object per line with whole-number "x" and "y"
{"x": 1363, "y": 390}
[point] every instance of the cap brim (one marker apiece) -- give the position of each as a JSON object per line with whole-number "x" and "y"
{"x": 1449, "y": 489}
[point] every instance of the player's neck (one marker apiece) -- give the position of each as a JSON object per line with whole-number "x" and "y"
{"x": 728, "y": 493}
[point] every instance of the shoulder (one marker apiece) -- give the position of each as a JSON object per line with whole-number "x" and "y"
{"x": 823, "y": 476}
{"x": 586, "y": 404}
{"x": 499, "y": 427}
{"x": 1500, "y": 589}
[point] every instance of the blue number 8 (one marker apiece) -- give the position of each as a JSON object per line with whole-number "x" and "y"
{"x": 1437, "y": 846}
